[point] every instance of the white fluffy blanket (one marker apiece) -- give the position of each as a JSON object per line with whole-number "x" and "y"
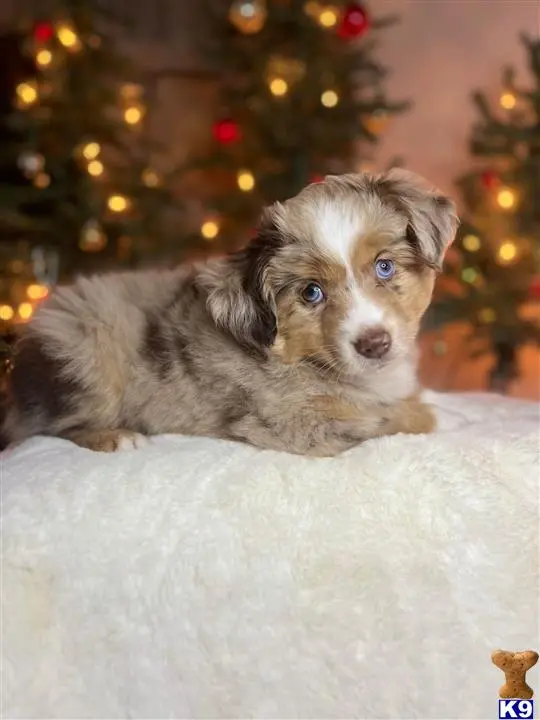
{"x": 205, "y": 579}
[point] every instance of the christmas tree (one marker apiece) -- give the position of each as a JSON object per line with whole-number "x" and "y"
{"x": 301, "y": 95}
{"x": 492, "y": 275}
{"x": 78, "y": 187}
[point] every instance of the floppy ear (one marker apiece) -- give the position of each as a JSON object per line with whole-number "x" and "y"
{"x": 240, "y": 299}
{"x": 432, "y": 216}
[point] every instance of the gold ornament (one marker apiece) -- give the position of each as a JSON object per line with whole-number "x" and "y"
{"x": 92, "y": 238}
{"x": 30, "y": 163}
{"x": 248, "y": 16}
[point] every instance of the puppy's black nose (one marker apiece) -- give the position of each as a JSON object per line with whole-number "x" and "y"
{"x": 374, "y": 343}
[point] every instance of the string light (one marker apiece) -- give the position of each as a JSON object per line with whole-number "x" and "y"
{"x": 92, "y": 238}
{"x": 506, "y": 198}
{"x": 507, "y": 252}
{"x": 508, "y": 100}
{"x": 6, "y": 312}
{"x": 91, "y": 150}
{"x": 68, "y": 37}
{"x": 133, "y": 115}
{"x": 42, "y": 180}
{"x": 329, "y": 98}
{"x": 44, "y": 57}
{"x": 278, "y": 87}
{"x": 209, "y": 229}
{"x": 30, "y": 163}
{"x": 27, "y": 92}
{"x": 469, "y": 275}
{"x": 118, "y": 203}
{"x": 25, "y": 311}
{"x": 471, "y": 243}
{"x": 328, "y": 18}
{"x": 487, "y": 315}
{"x": 37, "y": 292}
{"x": 245, "y": 180}
{"x": 95, "y": 168}
{"x": 150, "y": 178}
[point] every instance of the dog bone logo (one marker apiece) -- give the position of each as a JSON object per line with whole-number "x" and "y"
{"x": 514, "y": 666}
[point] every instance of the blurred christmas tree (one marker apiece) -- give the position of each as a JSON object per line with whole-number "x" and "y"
{"x": 301, "y": 95}
{"x": 492, "y": 277}
{"x": 78, "y": 189}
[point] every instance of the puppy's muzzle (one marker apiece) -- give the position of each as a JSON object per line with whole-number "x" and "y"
{"x": 374, "y": 343}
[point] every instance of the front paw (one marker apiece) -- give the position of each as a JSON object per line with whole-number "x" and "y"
{"x": 414, "y": 417}
{"x": 108, "y": 440}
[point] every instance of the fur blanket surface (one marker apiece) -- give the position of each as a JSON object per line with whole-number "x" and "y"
{"x": 198, "y": 578}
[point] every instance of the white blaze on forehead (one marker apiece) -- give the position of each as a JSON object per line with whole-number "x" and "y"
{"x": 339, "y": 226}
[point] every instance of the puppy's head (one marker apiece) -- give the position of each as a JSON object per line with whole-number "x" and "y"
{"x": 340, "y": 275}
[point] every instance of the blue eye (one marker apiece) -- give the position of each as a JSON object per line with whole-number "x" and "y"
{"x": 385, "y": 269}
{"x": 313, "y": 294}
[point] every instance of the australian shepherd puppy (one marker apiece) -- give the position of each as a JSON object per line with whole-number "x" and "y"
{"x": 303, "y": 342}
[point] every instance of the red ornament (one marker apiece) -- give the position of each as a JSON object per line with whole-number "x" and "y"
{"x": 534, "y": 288}
{"x": 226, "y": 131}
{"x": 490, "y": 179}
{"x": 43, "y": 32}
{"x": 355, "y": 22}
